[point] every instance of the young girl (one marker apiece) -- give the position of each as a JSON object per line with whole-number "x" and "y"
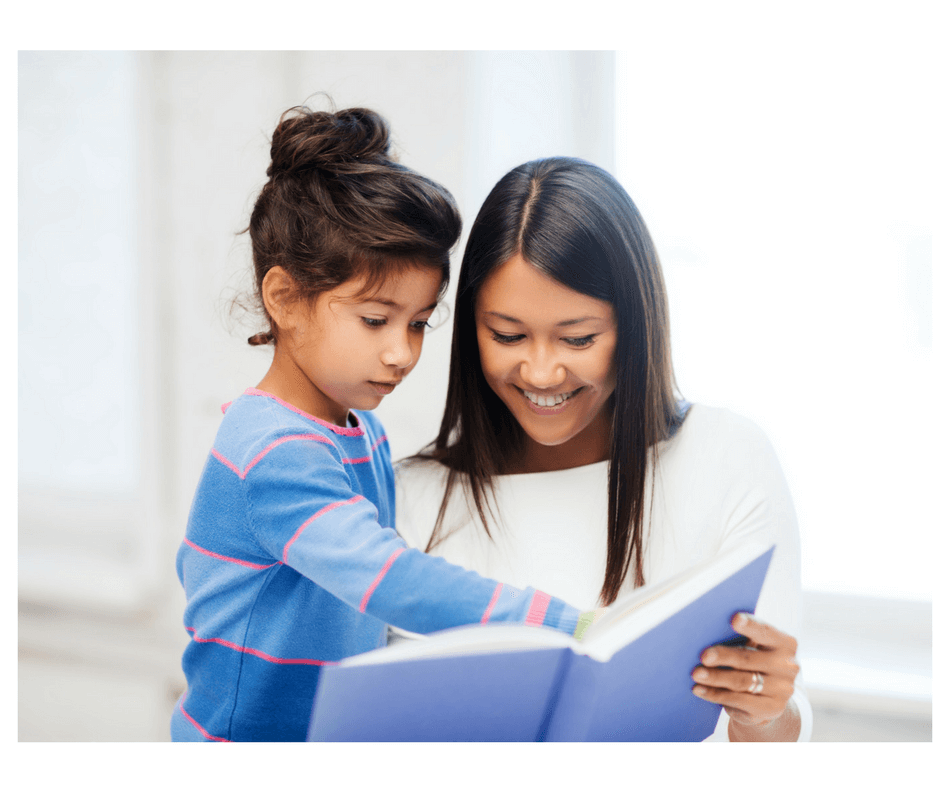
{"x": 291, "y": 559}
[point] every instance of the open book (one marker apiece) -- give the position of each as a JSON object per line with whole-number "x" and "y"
{"x": 628, "y": 679}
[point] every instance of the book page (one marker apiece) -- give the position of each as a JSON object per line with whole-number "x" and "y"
{"x": 474, "y": 639}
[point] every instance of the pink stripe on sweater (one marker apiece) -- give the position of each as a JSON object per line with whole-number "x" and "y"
{"x": 196, "y": 725}
{"x": 229, "y": 558}
{"x": 255, "y": 653}
{"x": 492, "y": 604}
{"x": 378, "y": 579}
{"x": 351, "y": 431}
{"x": 357, "y": 460}
{"x": 324, "y": 510}
{"x": 537, "y": 609}
{"x": 310, "y": 436}
{"x": 227, "y": 463}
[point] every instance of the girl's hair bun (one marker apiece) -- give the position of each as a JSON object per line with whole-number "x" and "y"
{"x": 340, "y": 142}
{"x": 337, "y": 205}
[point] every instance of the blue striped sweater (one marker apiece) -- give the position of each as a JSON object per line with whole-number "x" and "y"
{"x": 291, "y": 561}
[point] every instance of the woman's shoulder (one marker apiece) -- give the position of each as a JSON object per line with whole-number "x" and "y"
{"x": 717, "y": 428}
{"x": 717, "y": 447}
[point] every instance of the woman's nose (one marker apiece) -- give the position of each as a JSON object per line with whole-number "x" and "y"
{"x": 542, "y": 371}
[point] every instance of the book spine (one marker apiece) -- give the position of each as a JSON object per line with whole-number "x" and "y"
{"x": 554, "y": 694}
{"x": 571, "y": 714}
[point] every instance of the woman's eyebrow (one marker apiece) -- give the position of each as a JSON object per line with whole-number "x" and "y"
{"x": 562, "y": 323}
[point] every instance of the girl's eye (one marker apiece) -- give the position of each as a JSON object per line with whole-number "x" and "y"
{"x": 419, "y": 325}
{"x": 374, "y": 322}
{"x": 506, "y": 339}
{"x": 580, "y": 341}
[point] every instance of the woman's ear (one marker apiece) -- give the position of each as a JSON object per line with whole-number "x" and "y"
{"x": 277, "y": 292}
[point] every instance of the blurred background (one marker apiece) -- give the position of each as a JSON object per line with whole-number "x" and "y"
{"x": 790, "y": 188}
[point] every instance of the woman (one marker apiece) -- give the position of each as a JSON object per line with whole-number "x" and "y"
{"x": 565, "y": 459}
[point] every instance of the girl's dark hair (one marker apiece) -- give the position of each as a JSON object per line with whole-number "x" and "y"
{"x": 336, "y": 205}
{"x": 573, "y": 221}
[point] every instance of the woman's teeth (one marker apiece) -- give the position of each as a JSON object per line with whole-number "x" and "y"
{"x": 547, "y": 402}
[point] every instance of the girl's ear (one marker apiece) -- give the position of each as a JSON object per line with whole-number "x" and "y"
{"x": 277, "y": 292}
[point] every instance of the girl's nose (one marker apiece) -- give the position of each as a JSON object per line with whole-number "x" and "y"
{"x": 398, "y": 353}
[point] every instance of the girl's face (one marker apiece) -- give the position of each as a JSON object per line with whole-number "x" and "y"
{"x": 547, "y": 352}
{"x": 350, "y": 351}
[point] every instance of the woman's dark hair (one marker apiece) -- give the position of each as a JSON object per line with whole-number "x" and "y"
{"x": 336, "y": 206}
{"x": 574, "y": 222}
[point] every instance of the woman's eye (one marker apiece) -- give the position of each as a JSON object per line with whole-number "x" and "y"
{"x": 374, "y": 322}
{"x": 580, "y": 341}
{"x": 420, "y": 325}
{"x": 506, "y": 339}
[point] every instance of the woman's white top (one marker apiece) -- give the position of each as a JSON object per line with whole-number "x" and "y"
{"x": 718, "y": 482}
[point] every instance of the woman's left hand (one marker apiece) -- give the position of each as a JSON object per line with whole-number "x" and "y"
{"x": 756, "y": 688}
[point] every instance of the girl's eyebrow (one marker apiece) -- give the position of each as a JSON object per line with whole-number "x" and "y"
{"x": 572, "y": 322}
{"x": 395, "y": 305}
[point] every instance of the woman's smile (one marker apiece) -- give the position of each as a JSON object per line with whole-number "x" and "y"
{"x": 548, "y": 404}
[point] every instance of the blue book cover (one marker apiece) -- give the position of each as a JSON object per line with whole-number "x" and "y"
{"x": 628, "y": 680}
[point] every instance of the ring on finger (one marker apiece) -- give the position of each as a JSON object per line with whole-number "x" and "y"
{"x": 757, "y": 684}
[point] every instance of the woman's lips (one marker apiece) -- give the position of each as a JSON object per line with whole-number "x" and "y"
{"x": 548, "y": 405}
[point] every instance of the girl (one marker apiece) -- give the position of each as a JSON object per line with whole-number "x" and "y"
{"x": 291, "y": 560}
{"x": 564, "y": 458}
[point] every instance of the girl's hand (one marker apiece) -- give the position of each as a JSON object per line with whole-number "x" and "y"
{"x": 755, "y": 691}
{"x": 588, "y": 619}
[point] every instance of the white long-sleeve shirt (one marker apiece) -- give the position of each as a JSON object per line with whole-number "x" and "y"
{"x": 718, "y": 482}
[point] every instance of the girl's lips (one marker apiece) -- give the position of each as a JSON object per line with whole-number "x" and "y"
{"x": 383, "y": 388}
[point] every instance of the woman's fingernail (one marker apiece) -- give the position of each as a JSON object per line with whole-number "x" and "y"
{"x": 709, "y": 657}
{"x": 743, "y": 619}
{"x": 700, "y": 691}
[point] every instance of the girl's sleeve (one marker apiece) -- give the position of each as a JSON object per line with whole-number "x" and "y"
{"x": 304, "y": 511}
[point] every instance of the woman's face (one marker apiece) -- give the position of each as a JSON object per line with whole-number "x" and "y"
{"x": 547, "y": 352}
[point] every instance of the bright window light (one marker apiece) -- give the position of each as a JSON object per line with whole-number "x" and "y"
{"x": 788, "y": 186}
